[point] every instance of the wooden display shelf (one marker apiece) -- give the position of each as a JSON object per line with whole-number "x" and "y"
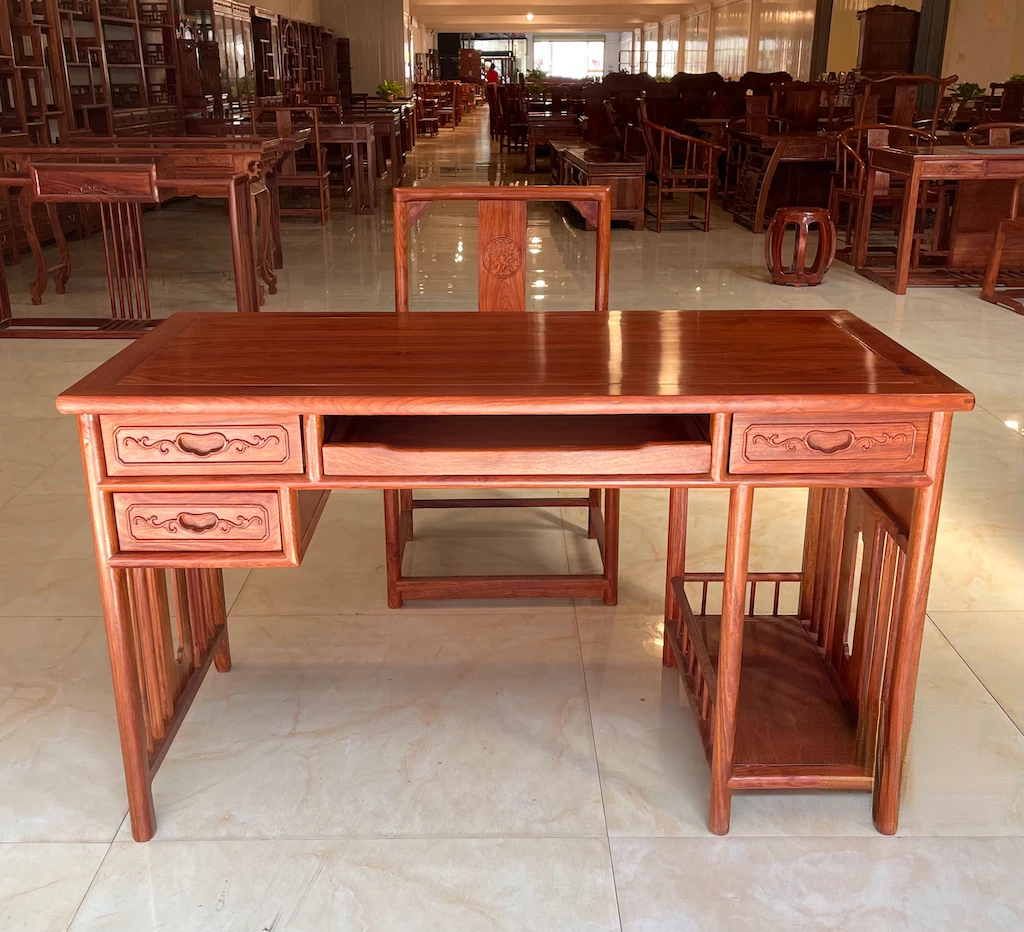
{"x": 796, "y": 727}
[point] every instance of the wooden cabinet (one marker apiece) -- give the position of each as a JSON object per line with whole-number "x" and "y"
{"x": 888, "y": 40}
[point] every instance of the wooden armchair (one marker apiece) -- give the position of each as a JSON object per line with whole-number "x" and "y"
{"x": 996, "y": 135}
{"x": 849, "y": 182}
{"x": 1010, "y": 298}
{"x": 680, "y": 164}
{"x": 898, "y": 101}
{"x": 514, "y": 122}
{"x": 1005, "y": 103}
{"x": 502, "y": 287}
{"x": 427, "y": 122}
{"x": 800, "y": 105}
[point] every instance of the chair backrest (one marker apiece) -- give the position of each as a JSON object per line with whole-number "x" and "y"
{"x": 899, "y": 94}
{"x": 855, "y": 143}
{"x": 996, "y": 135}
{"x": 120, "y": 189}
{"x": 799, "y": 104}
{"x": 501, "y": 213}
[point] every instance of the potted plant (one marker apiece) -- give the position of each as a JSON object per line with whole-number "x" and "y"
{"x": 535, "y": 82}
{"x": 389, "y": 90}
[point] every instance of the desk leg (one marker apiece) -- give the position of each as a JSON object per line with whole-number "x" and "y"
{"x": 243, "y": 246}
{"x": 357, "y": 177}
{"x": 675, "y": 567}
{"x": 371, "y": 173}
{"x": 730, "y": 655}
{"x": 905, "y": 244}
{"x": 898, "y": 706}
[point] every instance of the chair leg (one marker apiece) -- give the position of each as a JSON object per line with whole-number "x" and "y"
{"x": 393, "y": 545}
{"x": 611, "y": 546}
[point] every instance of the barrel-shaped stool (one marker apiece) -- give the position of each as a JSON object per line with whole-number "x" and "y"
{"x": 801, "y": 219}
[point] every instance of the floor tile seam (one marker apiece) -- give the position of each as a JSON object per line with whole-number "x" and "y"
{"x": 248, "y": 839}
{"x": 597, "y": 767}
{"x": 974, "y": 673}
{"x": 91, "y": 884}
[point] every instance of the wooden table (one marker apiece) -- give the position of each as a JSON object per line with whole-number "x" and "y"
{"x": 360, "y": 137}
{"x": 624, "y": 174}
{"x": 542, "y": 128}
{"x": 210, "y": 167}
{"x": 782, "y": 170}
{"x": 192, "y": 466}
{"x": 985, "y": 179}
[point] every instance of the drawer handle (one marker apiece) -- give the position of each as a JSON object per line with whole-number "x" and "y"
{"x": 830, "y": 441}
{"x": 203, "y": 445}
{"x": 202, "y": 523}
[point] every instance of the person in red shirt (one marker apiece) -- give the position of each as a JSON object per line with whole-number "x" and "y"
{"x": 492, "y": 75}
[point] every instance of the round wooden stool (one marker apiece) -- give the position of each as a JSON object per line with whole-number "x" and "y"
{"x": 798, "y": 273}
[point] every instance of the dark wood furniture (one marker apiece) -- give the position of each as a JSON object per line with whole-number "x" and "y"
{"x": 888, "y": 40}
{"x": 1010, "y": 231}
{"x": 679, "y": 166}
{"x": 998, "y": 135}
{"x": 192, "y": 467}
{"x": 543, "y": 128}
{"x": 316, "y": 177}
{"x": 501, "y": 268}
{"x": 985, "y": 178}
{"x": 356, "y": 139}
{"x": 624, "y": 175}
{"x": 801, "y": 220}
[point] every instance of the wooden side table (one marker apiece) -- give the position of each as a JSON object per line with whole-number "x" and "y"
{"x": 624, "y": 174}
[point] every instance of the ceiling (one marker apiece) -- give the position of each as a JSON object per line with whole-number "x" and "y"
{"x": 548, "y": 15}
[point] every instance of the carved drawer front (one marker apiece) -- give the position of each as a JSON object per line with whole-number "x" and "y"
{"x": 801, "y": 444}
{"x": 198, "y": 521}
{"x": 137, "y": 446}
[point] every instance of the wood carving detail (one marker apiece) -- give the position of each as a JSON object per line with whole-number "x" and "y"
{"x": 204, "y": 522}
{"x": 502, "y": 257}
{"x": 203, "y": 445}
{"x": 830, "y": 442}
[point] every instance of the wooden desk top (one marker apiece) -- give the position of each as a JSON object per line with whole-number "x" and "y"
{"x": 953, "y": 152}
{"x": 536, "y": 363}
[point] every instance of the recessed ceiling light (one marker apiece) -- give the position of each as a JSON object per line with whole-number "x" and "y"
{"x": 529, "y": 16}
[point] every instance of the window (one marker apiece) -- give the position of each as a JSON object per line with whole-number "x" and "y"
{"x": 695, "y": 44}
{"x": 569, "y": 58}
{"x": 669, "y": 48}
{"x": 650, "y": 63}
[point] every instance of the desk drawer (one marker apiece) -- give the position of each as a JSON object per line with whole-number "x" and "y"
{"x": 519, "y": 445}
{"x": 800, "y": 444}
{"x": 237, "y": 521}
{"x": 144, "y": 446}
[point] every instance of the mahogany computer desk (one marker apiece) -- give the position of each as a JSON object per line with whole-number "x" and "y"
{"x": 215, "y": 440}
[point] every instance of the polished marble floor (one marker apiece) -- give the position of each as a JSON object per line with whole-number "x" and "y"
{"x": 521, "y": 766}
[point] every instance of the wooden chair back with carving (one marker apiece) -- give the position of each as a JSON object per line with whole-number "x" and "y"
{"x": 898, "y": 100}
{"x": 501, "y": 213}
{"x": 119, "y": 190}
{"x": 995, "y": 135}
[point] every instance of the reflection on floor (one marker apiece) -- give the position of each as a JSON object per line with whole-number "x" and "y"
{"x": 477, "y": 767}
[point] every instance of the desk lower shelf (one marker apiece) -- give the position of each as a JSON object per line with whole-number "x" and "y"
{"x": 796, "y": 728}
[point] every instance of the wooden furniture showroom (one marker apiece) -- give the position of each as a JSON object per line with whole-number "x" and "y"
{"x": 214, "y": 441}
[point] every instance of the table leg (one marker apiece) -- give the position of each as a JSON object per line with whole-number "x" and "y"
{"x": 730, "y": 655}
{"x": 610, "y": 546}
{"x": 276, "y": 253}
{"x": 905, "y": 243}
{"x": 371, "y": 173}
{"x": 675, "y": 567}
{"x": 531, "y": 155}
{"x": 357, "y": 177}
{"x": 38, "y": 284}
{"x": 243, "y": 245}
{"x": 898, "y": 706}
{"x": 62, "y": 272}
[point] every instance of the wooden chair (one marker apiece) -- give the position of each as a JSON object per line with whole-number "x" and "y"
{"x": 1010, "y": 298}
{"x": 798, "y": 105}
{"x": 119, "y": 190}
{"x": 1005, "y": 103}
{"x": 318, "y": 177}
{"x": 501, "y": 215}
{"x": 679, "y": 164}
{"x": 427, "y": 122}
{"x": 849, "y": 182}
{"x": 996, "y": 135}
{"x": 514, "y": 123}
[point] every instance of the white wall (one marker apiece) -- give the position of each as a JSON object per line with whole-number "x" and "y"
{"x": 376, "y": 31}
{"x": 984, "y": 40}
